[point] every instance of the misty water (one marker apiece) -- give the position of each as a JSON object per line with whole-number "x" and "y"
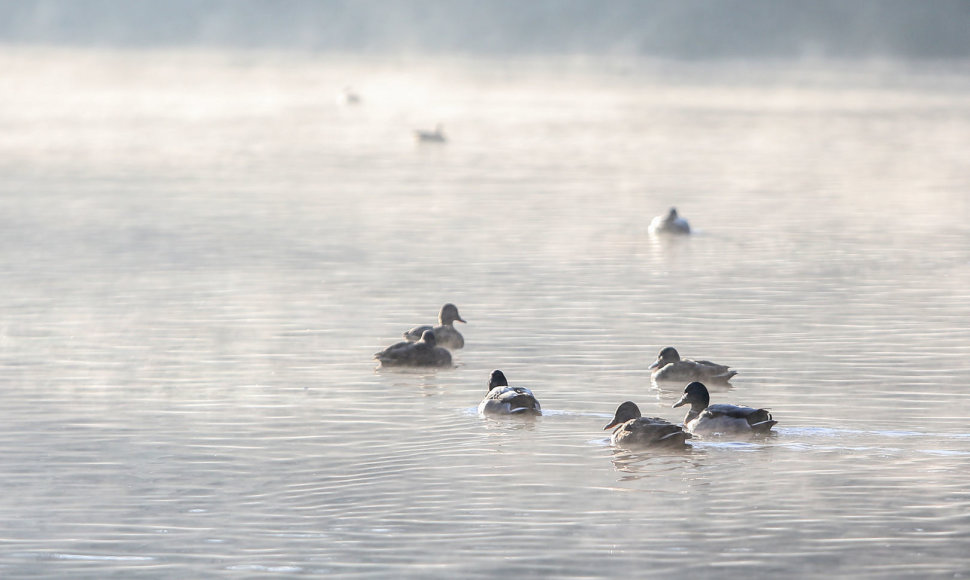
{"x": 201, "y": 251}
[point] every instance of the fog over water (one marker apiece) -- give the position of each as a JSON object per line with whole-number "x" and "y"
{"x": 681, "y": 29}
{"x": 203, "y": 241}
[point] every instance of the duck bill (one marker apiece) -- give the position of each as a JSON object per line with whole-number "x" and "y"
{"x": 611, "y": 425}
{"x": 460, "y": 319}
{"x": 682, "y": 401}
{"x": 654, "y": 365}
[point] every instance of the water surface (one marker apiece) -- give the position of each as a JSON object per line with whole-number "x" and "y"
{"x": 201, "y": 251}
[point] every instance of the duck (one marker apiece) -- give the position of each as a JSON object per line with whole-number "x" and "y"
{"x": 436, "y": 136}
{"x": 634, "y": 430}
{"x": 669, "y": 224}
{"x": 445, "y": 332}
{"x": 423, "y": 353}
{"x": 348, "y": 97}
{"x": 502, "y": 399}
{"x": 670, "y": 367}
{"x": 706, "y": 419}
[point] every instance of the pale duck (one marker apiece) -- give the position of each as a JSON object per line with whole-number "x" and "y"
{"x": 669, "y": 224}
{"x": 670, "y": 367}
{"x": 445, "y": 333}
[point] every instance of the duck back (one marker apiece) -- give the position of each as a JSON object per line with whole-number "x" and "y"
{"x": 414, "y": 334}
{"x": 446, "y": 335}
{"x": 650, "y": 432}
{"x": 691, "y": 370}
{"x": 735, "y": 419}
{"x": 414, "y": 354}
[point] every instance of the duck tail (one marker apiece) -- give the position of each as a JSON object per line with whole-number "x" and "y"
{"x": 524, "y": 404}
{"x": 761, "y": 421}
{"x": 763, "y": 427}
{"x": 676, "y": 438}
{"x": 414, "y": 334}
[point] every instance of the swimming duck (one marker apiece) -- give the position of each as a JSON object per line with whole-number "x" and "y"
{"x": 634, "y": 430}
{"x": 436, "y": 136}
{"x": 348, "y": 97}
{"x": 669, "y": 224}
{"x": 445, "y": 332}
{"x": 670, "y": 367}
{"x": 423, "y": 353}
{"x": 706, "y": 419}
{"x": 505, "y": 400}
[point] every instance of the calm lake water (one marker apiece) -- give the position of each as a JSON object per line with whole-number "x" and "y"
{"x": 201, "y": 251}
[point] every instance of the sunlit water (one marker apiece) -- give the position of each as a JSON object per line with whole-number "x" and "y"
{"x": 201, "y": 252}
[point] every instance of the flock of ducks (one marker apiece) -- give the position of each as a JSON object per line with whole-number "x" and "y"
{"x": 429, "y": 346}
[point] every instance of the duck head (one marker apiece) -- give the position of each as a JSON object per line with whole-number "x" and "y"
{"x": 449, "y": 314}
{"x": 625, "y": 412}
{"x": 497, "y": 379}
{"x": 667, "y": 355}
{"x": 696, "y": 394}
{"x": 672, "y": 216}
{"x": 428, "y": 337}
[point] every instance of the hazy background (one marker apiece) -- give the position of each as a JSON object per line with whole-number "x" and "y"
{"x": 680, "y": 29}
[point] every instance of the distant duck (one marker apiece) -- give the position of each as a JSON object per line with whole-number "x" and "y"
{"x": 670, "y": 367}
{"x": 706, "y": 419}
{"x": 669, "y": 224}
{"x": 348, "y": 97}
{"x": 634, "y": 430}
{"x": 436, "y": 136}
{"x": 505, "y": 400}
{"x": 423, "y": 353}
{"x": 445, "y": 333}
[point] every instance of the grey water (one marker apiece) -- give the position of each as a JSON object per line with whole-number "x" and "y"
{"x": 201, "y": 251}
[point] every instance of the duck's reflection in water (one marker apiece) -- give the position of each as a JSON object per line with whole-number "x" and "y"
{"x": 648, "y": 463}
